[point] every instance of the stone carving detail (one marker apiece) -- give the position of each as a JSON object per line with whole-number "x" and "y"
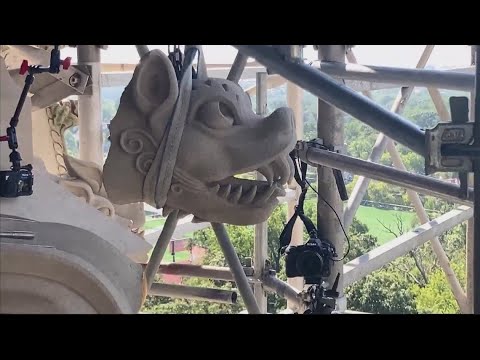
{"x": 61, "y": 117}
{"x": 132, "y": 142}
{"x": 85, "y": 179}
{"x": 218, "y": 136}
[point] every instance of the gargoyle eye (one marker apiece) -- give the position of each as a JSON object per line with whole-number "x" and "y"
{"x": 216, "y": 115}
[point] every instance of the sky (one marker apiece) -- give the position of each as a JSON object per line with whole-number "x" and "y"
{"x": 443, "y": 56}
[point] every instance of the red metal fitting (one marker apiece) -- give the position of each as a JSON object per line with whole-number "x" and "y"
{"x": 23, "y": 67}
{"x": 66, "y": 63}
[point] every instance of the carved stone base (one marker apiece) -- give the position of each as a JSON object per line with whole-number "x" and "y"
{"x": 53, "y": 203}
{"x": 44, "y": 280}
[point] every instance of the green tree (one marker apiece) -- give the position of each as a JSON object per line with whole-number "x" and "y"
{"x": 437, "y": 297}
{"x": 414, "y": 162}
{"x": 385, "y": 291}
{"x": 361, "y": 241}
{"x": 382, "y": 292}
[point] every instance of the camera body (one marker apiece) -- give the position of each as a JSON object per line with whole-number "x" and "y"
{"x": 15, "y": 183}
{"x": 312, "y": 260}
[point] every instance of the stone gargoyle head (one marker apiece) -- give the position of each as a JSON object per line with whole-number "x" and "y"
{"x": 220, "y": 136}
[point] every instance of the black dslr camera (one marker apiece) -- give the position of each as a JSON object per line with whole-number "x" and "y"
{"x": 14, "y": 183}
{"x": 313, "y": 260}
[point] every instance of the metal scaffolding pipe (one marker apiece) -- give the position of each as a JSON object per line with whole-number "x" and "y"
{"x": 194, "y": 293}
{"x": 375, "y": 259}
{"x": 476, "y": 183}
{"x": 142, "y": 50}
{"x": 160, "y": 247}
{"x": 419, "y": 183}
{"x": 90, "y": 108}
{"x": 437, "y": 247}
{"x": 260, "y": 244}
{"x": 401, "y": 76}
{"x": 281, "y": 288}
{"x": 237, "y": 68}
{"x": 330, "y": 128}
{"x": 469, "y": 253}
{"x": 201, "y": 271}
{"x": 295, "y": 102}
{"x": 236, "y": 268}
{"x": 340, "y": 96}
{"x": 437, "y": 100}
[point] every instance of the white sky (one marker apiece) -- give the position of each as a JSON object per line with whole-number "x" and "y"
{"x": 388, "y": 55}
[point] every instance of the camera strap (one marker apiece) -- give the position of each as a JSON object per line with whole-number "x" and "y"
{"x": 301, "y": 178}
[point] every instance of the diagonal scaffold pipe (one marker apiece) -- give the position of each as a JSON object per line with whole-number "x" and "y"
{"x": 340, "y": 96}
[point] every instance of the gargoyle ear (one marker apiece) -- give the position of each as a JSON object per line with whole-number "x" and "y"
{"x": 87, "y": 171}
{"x": 155, "y": 85}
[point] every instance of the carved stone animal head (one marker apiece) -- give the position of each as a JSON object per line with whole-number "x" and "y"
{"x": 221, "y": 137}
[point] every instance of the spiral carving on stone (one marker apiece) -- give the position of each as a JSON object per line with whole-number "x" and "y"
{"x": 144, "y": 161}
{"x": 132, "y": 141}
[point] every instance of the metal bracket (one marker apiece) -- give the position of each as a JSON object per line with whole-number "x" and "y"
{"x": 74, "y": 77}
{"x": 301, "y": 150}
{"x": 443, "y": 134}
{"x": 446, "y": 142}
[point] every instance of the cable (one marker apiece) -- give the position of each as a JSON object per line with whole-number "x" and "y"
{"x": 338, "y": 217}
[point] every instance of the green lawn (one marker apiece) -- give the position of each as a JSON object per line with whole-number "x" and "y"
{"x": 168, "y": 258}
{"x": 154, "y": 223}
{"x": 179, "y": 256}
{"x": 371, "y": 216}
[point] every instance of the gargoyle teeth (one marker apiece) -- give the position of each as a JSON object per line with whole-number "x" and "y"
{"x": 214, "y": 189}
{"x": 249, "y": 195}
{"x": 267, "y": 171}
{"x": 236, "y": 194}
{"x": 291, "y": 165}
{"x": 280, "y": 191}
{"x": 281, "y": 169}
{"x": 262, "y": 197}
{"x": 225, "y": 191}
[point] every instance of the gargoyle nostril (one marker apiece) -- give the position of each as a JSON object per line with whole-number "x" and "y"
{"x": 225, "y": 87}
{"x": 225, "y": 111}
{"x": 176, "y": 188}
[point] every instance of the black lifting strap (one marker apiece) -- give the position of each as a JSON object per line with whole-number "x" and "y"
{"x": 286, "y": 235}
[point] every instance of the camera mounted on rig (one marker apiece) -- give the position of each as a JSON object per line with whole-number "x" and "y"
{"x": 18, "y": 181}
{"x": 313, "y": 260}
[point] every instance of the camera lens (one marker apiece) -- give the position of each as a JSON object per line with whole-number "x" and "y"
{"x": 310, "y": 263}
